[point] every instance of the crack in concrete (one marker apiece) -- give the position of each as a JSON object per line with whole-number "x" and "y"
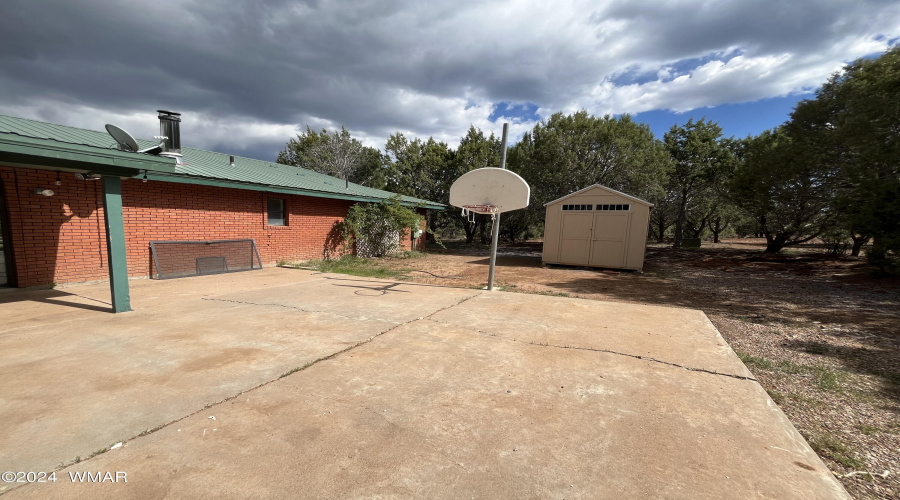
{"x": 608, "y": 351}
{"x": 293, "y": 308}
{"x": 148, "y": 432}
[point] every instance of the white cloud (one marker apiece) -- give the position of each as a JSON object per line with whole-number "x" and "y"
{"x": 741, "y": 78}
{"x": 250, "y": 75}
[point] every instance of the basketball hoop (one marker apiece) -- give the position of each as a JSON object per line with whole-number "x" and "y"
{"x": 469, "y": 211}
{"x": 492, "y": 191}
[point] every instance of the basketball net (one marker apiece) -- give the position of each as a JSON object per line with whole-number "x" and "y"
{"x": 469, "y": 211}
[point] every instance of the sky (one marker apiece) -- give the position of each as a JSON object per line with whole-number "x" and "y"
{"x": 247, "y": 76}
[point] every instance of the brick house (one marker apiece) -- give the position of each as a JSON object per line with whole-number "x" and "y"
{"x": 107, "y": 204}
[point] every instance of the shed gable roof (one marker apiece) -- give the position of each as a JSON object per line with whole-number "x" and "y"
{"x": 604, "y": 188}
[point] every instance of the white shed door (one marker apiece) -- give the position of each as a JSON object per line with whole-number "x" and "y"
{"x": 575, "y": 238}
{"x": 609, "y": 237}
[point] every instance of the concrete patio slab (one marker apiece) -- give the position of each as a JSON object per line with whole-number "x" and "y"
{"x": 446, "y": 393}
{"x": 679, "y": 336}
{"x": 32, "y": 306}
{"x": 75, "y": 378}
{"x": 361, "y": 299}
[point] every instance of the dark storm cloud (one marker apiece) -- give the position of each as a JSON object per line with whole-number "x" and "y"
{"x": 248, "y": 73}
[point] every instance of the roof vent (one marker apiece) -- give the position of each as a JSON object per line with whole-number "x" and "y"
{"x": 232, "y": 160}
{"x": 170, "y": 128}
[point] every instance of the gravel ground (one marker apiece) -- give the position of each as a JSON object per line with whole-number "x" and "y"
{"x": 819, "y": 332}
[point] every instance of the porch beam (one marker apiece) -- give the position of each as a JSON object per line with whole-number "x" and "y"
{"x": 115, "y": 243}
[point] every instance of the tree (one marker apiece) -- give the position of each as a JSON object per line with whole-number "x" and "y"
{"x": 663, "y": 214}
{"x": 475, "y": 151}
{"x": 565, "y": 153}
{"x": 722, "y": 220}
{"x": 421, "y": 169}
{"x": 700, "y": 156}
{"x": 717, "y": 213}
{"x": 786, "y": 186}
{"x": 336, "y": 154}
{"x": 520, "y": 224}
{"x": 702, "y": 213}
{"x": 571, "y": 152}
{"x": 834, "y": 168}
{"x": 860, "y": 113}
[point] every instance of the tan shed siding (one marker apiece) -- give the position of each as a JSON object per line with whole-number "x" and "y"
{"x": 637, "y": 240}
{"x": 575, "y": 237}
{"x": 618, "y": 238}
{"x": 551, "y": 227}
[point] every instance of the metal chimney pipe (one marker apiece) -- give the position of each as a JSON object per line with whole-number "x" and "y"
{"x": 170, "y": 127}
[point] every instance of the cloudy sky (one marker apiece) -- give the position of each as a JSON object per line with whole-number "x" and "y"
{"x": 248, "y": 75}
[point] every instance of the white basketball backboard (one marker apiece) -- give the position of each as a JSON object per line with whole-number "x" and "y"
{"x": 490, "y": 186}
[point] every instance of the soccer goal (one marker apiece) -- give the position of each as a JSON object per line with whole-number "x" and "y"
{"x": 178, "y": 259}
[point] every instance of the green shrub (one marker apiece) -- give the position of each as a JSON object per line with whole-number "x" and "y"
{"x": 376, "y": 228}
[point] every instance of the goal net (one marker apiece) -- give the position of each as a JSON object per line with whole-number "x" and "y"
{"x": 177, "y": 259}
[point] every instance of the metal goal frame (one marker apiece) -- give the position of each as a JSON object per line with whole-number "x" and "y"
{"x": 255, "y": 259}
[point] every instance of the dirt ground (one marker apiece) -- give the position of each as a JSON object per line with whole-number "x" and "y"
{"x": 819, "y": 332}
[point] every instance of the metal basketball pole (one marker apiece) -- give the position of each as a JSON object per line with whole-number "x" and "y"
{"x": 495, "y": 231}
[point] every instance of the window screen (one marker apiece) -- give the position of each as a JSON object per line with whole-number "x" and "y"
{"x": 276, "y": 212}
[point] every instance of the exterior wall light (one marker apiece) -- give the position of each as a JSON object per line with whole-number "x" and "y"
{"x": 44, "y": 192}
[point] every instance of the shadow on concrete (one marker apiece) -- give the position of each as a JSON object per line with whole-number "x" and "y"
{"x": 381, "y": 290}
{"x": 385, "y": 283}
{"x": 54, "y": 297}
{"x": 510, "y": 261}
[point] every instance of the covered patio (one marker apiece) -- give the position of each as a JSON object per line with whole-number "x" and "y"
{"x": 107, "y": 166}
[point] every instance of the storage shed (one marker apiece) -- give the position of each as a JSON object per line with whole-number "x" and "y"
{"x": 599, "y": 227}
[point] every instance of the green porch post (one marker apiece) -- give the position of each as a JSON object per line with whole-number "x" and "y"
{"x": 115, "y": 243}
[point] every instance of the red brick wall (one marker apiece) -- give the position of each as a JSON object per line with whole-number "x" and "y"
{"x": 172, "y": 211}
{"x": 59, "y": 238}
{"x": 62, "y": 239}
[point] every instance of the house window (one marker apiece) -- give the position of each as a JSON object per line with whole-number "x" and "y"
{"x": 276, "y": 212}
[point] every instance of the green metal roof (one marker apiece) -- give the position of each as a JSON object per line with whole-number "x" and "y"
{"x": 200, "y": 167}
{"x": 29, "y": 142}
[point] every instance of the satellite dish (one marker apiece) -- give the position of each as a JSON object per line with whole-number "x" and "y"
{"x": 125, "y": 140}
